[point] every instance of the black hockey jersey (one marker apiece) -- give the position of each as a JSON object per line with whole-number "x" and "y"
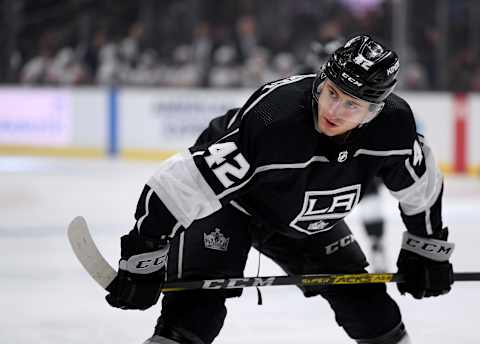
{"x": 268, "y": 158}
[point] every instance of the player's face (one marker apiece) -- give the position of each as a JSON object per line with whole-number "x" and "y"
{"x": 339, "y": 112}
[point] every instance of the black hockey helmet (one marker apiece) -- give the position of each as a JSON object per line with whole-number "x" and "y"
{"x": 363, "y": 68}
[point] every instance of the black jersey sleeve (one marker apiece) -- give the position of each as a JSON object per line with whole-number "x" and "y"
{"x": 197, "y": 182}
{"x": 221, "y": 165}
{"x": 218, "y": 168}
{"x": 414, "y": 179}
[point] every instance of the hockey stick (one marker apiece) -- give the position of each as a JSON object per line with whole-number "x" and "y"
{"x": 90, "y": 257}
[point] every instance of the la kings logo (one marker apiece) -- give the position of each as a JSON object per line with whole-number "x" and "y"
{"x": 322, "y": 209}
{"x": 216, "y": 241}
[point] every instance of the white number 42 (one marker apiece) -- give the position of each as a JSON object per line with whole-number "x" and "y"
{"x": 218, "y": 152}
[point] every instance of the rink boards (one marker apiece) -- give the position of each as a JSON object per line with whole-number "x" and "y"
{"x": 147, "y": 123}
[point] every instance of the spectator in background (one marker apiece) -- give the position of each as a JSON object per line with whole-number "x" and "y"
{"x": 148, "y": 71}
{"x": 318, "y": 53}
{"x": 202, "y": 47}
{"x": 90, "y": 51}
{"x": 182, "y": 72}
{"x": 257, "y": 69}
{"x": 329, "y": 31}
{"x": 284, "y": 64}
{"x": 415, "y": 76}
{"x": 246, "y": 37}
{"x": 225, "y": 71}
{"x": 109, "y": 69}
{"x": 35, "y": 70}
{"x": 131, "y": 46}
{"x": 66, "y": 69}
{"x": 462, "y": 69}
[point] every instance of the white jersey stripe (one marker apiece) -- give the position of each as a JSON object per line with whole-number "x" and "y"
{"x": 428, "y": 223}
{"x": 382, "y": 153}
{"x": 147, "y": 200}
{"x": 198, "y": 153}
{"x": 174, "y": 230}
{"x": 240, "y": 208}
{"x": 227, "y": 135}
{"x": 233, "y": 119}
{"x": 274, "y": 167}
{"x": 411, "y": 170}
{"x": 180, "y": 255}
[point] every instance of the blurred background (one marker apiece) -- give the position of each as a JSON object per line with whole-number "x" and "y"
{"x": 94, "y": 94}
{"x": 207, "y": 43}
{"x": 85, "y": 78}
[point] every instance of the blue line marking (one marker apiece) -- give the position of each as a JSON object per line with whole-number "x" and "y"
{"x": 112, "y": 148}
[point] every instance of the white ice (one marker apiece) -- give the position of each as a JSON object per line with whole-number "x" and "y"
{"x": 47, "y": 298}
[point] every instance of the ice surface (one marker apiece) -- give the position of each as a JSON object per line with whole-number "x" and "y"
{"x": 47, "y": 298}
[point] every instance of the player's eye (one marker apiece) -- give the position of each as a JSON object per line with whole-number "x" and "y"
{"x": 332, "y": 93}
{"x": 351, "y": 105}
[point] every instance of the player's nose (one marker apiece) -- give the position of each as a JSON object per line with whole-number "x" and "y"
{"x": 333, "y": 110}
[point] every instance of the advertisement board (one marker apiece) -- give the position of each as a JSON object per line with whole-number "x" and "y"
{"x": 169, "y": 119}
{"x": 30, "y": 116}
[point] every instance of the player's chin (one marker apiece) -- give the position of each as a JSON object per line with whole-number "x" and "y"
{"x": 329, "y": 132}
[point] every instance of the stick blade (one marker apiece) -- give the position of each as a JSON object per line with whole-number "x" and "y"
{"x": 88, "y": 254}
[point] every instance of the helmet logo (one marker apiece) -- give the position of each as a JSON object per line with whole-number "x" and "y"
{"x": 373, "y": 50}
{"x": 363, "y": 62}
{"x": 352, "y": 80}
{"x": 393, "y": 68}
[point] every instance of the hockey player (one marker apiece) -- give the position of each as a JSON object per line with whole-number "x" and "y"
{"x": 371, "y": 214}
{"x": 281, "y": 174}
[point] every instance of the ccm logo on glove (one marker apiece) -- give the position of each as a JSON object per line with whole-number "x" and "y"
{"x": 145, "y": 263}
{"x": 433, "y": 249}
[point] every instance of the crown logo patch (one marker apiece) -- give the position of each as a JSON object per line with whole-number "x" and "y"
{"x": 216, "y": 240}
{"x": 317, "y": 226}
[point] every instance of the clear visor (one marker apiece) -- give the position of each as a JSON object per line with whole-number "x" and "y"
{"x": 341, "y": 107}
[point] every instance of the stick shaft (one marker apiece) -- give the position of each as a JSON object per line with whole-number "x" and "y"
{"x": 303, "y": 280}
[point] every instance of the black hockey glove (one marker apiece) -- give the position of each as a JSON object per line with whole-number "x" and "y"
{"x": 425, "y": 264}
{"x": 141, "y": 272}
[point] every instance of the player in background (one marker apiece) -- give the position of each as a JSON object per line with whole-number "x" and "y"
{"x": 280, "y": 174}
{"x": 371, "y": 211}
{"x": 373, "y": 220}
